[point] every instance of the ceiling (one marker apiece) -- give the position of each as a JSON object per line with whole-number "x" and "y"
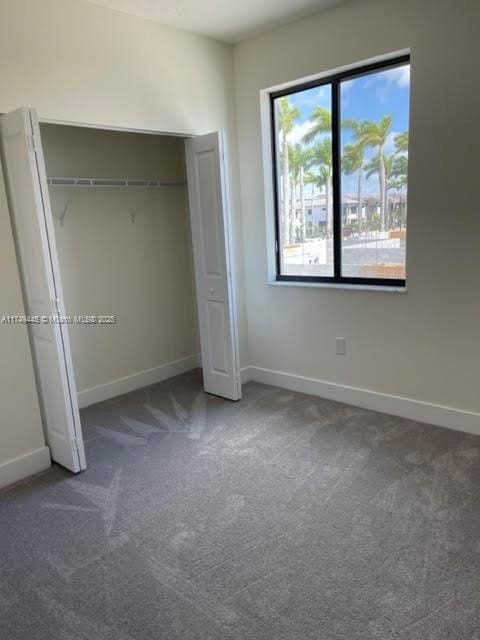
{"x": 225, "y": 20}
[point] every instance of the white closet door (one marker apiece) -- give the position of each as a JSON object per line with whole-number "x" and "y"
{"x": 211, "y": 233}
{"x": 36, "y": 252}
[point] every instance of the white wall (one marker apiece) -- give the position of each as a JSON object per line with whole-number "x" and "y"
{"x": 422, "y": 344}
{"x": 78, "y": 62}
{"x": 141, "y": 272}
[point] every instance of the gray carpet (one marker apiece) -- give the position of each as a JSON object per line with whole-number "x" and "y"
{"x": 280, "y": 517}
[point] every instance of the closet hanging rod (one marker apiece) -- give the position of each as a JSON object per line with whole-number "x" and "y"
{"x": 102, "y": 182}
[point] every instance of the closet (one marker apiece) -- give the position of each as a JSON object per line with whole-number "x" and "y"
{"x": 123, "y": 240}
{"x": 120, "y": 210}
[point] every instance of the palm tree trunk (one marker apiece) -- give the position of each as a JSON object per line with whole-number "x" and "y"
{"x": 302, "y": 206}
{"x": 383, "y": 187}
{"x": 359, "y": 200}
{"x": 293, "y": 213}
{"x": 286, "y": 191}
{"x": 328, "y": 207}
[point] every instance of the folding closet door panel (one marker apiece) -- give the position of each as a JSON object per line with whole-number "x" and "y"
{"x": 211, "y": 236}
{"x": 43, "y": 298}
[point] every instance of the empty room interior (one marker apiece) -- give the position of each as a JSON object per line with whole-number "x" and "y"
{"x": 239, "y": 311}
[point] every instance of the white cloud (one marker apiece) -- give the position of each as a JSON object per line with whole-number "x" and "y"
{"x": 310, "y": 99}
{"x": 324, "y": 93}
{"x": 390, "y": 142}
{"x": 384, "y": 81}
{"x": 298, "y": 131}
{"x": 344, "y": 92}
{"x": 346, "y": 86}
{"x": 400, "y": 76}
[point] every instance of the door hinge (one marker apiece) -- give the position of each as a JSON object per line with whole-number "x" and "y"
{"x": 32, "y": 142}
{"x": 76, "y": 446}
{"x": 56, "y": 306}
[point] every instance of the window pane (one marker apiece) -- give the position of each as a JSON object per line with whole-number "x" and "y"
{"x": 374, "y": 144}
{"x": 303, "y": 144}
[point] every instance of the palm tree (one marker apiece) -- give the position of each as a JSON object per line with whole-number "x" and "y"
{"x": 287, "y": 115}
{"x": 374, "y": 134}
{"x": 401, "y": 142}
{"x": 318, "y": 180}
{"x": 321, "y": 157}
{"x": 399, "y": 171}
{"x": 322, "y": 123}
{"x": 299, "y": 162}
{"x": 352, "y": 161}
{"x": 354, "y": 157}
{"x": 395, "y": 170}
{"x": 399, "y": 181}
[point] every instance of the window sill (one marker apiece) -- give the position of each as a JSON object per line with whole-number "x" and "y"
{"x": 335, "y": 285}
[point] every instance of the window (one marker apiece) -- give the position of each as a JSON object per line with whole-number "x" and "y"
{"x": 340, "y": 149}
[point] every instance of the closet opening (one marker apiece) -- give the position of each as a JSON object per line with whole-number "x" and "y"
{"x": 119, "y": 205}
{"x": 124, "y": 239}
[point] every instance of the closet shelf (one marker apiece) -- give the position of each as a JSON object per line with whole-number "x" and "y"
{"x": 102, "y": 182}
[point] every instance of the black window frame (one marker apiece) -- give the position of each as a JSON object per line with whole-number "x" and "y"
{"x": 335, "y": 81}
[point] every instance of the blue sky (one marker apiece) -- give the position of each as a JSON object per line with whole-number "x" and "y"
{"x": 368, "y": 97}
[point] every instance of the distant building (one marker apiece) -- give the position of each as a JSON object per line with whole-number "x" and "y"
{"x": 316, "y": 209}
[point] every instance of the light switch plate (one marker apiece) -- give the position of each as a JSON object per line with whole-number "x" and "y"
{"x": 340, "y": 346}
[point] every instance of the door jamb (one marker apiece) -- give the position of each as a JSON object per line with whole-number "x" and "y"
{"x": 106, "y": 127}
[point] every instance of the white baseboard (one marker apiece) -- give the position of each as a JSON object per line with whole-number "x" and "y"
{"x": 246, "y": 374}
{"x": 24, "y": 466}
{"x": 436, "y": 414}
{"x": 137, "y": 380}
